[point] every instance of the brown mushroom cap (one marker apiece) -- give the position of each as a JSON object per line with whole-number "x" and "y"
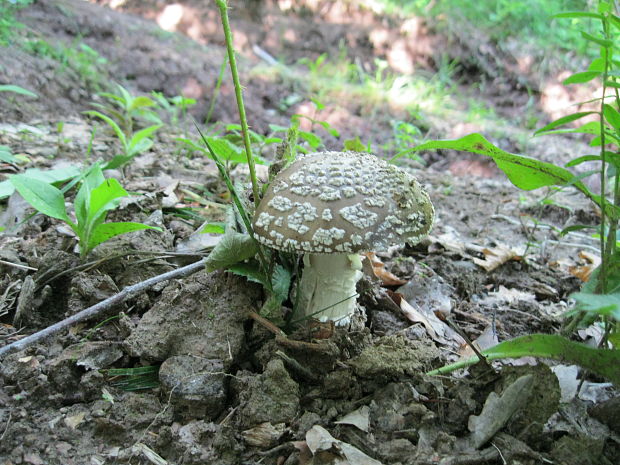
{"x": 342, "y": 202}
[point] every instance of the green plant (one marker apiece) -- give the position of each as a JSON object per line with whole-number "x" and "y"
{"x": 78, "y": 57}
{"x": 132, "y": 144}
{"x": 176, "y": 106}
{"x": 8, "y": 21}
{"x": 17, "y": 90}
{"x": 95, "y": 198}
{"x": 127, "y": 110}
{"x": 599, "y": 300}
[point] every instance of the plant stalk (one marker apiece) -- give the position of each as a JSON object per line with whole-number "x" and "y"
{"x": 223, "y": 7}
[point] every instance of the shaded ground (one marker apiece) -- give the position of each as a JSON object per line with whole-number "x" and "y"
{"x": 228, "y": 391}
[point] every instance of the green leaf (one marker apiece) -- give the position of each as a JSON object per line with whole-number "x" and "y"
{"x": 144, "y": 133}
{"x": 604, "y": 362}
{"x": 82, "y": 199}
{"x": 564, "y": 120}
{"x": 47, "y": 176}
{"x": 251, "y": 271}
{"x": 6, "y": 156}
{"x": 103, "y": 198}
{"x": 313, "y": 140}
{"x": 43, "y": 197}
{"x": 593, "y": 127}
{"x": 615, "y": 21}
{"x": 281, "y": 282}
{"x": 117, "y": 130}
{"x": 583, "y": 159}
{"x": 355, "y": 145}
{"x": 578, "y": 14}
{"x": 599, "y": 304}
{"x": 524, "y": 172}
{"x": 226, "y": 150}
{"x": 612, "y": 116}
{"x": 214, "y": 228}
{"x": 17, "y": 90}
{"x": 233, "y": 248}
{"x": 575, "y": 227}
{"x": 140, "y": 102}
{"x": 580, "y": 78}
{"x": 597, "y": 40}
{"x": 105, "y": 231}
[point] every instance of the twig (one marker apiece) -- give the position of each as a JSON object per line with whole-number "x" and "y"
{"x": 101, "y": 307}
{"x": 17, "y": 265}
{"x": 469, "y": 342}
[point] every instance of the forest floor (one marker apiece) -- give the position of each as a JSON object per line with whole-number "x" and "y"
{"x": 219, "y": 387}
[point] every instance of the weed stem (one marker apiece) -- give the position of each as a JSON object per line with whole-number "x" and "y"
{"x": 223, "y": 7}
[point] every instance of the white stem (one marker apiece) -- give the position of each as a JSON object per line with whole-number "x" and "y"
{"x": 327, "y": 287}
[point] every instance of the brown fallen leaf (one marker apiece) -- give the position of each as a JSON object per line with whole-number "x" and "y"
{"x": 488, "y": 338}
{"x": 378, "y": 268}
{"x": 583, "y": 272}
{"x": 496, "y": 257}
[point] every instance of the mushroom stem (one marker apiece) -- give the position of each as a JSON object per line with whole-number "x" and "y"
{"x": 327, "y": 286}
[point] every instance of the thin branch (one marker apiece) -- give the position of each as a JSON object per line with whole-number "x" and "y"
{"x": 100, "y": 308}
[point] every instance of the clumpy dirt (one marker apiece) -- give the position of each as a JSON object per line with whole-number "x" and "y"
{"x": 185, "y": 373}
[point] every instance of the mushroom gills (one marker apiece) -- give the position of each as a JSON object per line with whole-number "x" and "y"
{"x": 328, "y": 287}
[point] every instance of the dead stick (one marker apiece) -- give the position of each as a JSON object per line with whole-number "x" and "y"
{"x": 99, "y": 308}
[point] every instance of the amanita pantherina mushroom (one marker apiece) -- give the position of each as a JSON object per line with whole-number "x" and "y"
{"x": 332, "y": 205}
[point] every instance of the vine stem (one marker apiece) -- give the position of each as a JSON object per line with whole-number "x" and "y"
{"x": 223, "y": 7}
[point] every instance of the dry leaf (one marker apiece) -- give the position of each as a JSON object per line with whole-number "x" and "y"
{"x": 75, "y": 420}
{"x": 264, "y": 435}
{"x": 416, "y": 316}
{"x": 359, "y": 418}
{"x": 334, "y": 451}
{"x": 496, "y": 257}
{"x": 378, "y": 268}
{"x": 583, "y": 272}
{"x": 488, "y": 338}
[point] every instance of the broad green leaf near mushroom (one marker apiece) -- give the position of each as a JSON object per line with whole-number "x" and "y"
{"x": 331, "y": 206}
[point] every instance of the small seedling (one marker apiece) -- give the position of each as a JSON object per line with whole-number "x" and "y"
{"x": 95, "y": 198}
{"x": 132, "y": 144}
{"x": 126, "y": 110}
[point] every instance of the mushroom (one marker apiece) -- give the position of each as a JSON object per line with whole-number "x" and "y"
{"x": 330, "y": 206}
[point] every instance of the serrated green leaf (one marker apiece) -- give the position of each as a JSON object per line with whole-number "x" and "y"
{"x": 281, "y": 282}
{"x": 604, "y": 362}
{"x": 313, "y": 140}
{"x": 580, "y": 78}
{"x": 105, "y": 231}
{"x": 233, "y": 248}
{"x": 43, "y": 197}
{"x": 564, "y": 120}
